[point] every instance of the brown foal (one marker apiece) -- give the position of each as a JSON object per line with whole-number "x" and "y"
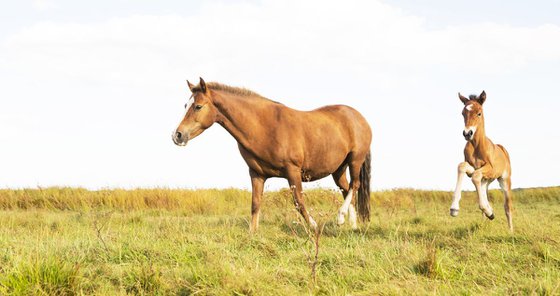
{"x": 484, "y": 161}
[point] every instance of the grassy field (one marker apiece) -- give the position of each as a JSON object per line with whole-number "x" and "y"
{"x": 65, "y": 241}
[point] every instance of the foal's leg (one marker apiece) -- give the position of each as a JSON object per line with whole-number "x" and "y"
{"x": 481, "y": 189}
{"x": 462, "y": 169}
{"x": 294, "y": 179}
{"x": 505, "y": 184}
{"x": 257, "y": 184}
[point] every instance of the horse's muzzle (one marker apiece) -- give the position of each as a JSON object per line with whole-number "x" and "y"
{"x": 179, "y": 138}
{"x": 468, "y": 135}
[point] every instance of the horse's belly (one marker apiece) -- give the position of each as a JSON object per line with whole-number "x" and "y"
{"x": 308, "y": 176}
{"x": 320, "y": 167}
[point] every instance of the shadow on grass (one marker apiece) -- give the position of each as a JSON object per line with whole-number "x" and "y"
{"x": 466, "y": 231}
{"x": 507, "y": 239}
{"x": 333, "y": 230}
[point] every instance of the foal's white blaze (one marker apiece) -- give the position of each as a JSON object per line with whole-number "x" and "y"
{"x": 469, "y": 107}
{"x": 470, "y": 128}
{"x": 344, "y": 208}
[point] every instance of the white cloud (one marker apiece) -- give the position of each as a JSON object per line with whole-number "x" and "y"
{"x": 42, "y": 4}
{"x": 120, "y": 67}
{"x": 291, "y": 35}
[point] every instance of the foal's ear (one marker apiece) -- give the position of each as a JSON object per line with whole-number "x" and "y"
{"x": 191, "y": 86}
{"x": 202, "y": 85}
{"x": 463, "y": 99}
{"x": 481, "y": 98}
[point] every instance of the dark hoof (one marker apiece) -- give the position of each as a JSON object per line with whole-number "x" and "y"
{"x": 454, "y": 212}
{"x": 491, "y": 217}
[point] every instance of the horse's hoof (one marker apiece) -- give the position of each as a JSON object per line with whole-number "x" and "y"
{"x": 340, "y": 219}
{"x": 312, "y": 223}
{"x": 491, "y": 217}
{"x": 454, "y": 212}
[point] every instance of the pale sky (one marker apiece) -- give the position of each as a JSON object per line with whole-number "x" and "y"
{"x": 91, "y": 91}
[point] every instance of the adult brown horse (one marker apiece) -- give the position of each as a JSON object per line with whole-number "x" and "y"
{"x": 484, "y": 161}
{"x": 278, "y": 141}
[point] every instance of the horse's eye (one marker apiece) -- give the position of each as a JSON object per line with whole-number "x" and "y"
{"x": 479, "y": 114}
{"x": 197, "y": 107}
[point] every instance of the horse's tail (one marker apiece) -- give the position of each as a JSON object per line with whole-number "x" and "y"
{"x": 363, "y": 191}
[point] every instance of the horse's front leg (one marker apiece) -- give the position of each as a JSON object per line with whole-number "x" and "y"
{"x": 294, "y": 179}
{"x": 481, "y": 183}
{"x": 462, "y": 169}
{"x": 257, "y": 184}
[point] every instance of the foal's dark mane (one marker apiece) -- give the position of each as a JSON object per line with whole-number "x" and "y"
{"x": 473, "y": 97}
{"x": 240, "y": 91}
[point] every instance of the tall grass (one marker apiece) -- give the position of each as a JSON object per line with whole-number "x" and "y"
{"x": 225, "y": 200}
{"x": 69, "y": 241}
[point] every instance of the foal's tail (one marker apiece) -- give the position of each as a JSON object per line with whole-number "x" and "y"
{"x": 363, "y": 191}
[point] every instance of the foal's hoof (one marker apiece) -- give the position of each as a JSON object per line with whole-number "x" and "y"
{"x": 454, "y": 212}
{"x": 491, "y": 217}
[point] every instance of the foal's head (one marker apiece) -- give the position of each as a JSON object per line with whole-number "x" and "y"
{"x": 200, "y": 114}
{"x": 472, "y": 113}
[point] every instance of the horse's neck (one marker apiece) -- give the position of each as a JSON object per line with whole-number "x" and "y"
{"x": 480, "y": 141}
{"x": 239, "y": 116}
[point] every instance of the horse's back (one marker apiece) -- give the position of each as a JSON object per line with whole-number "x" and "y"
{"x": 346, "y": 116}
{"x": 339, "y": 126}
{"x": 348, "y": 120}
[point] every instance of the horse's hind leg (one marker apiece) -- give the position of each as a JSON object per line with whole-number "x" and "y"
{"x": 505, "y": 184}
{"x": 340, "y": 180}
{"x": 355, "y": 166}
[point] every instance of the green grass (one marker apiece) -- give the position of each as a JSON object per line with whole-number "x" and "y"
{"x": 67, "y": 241}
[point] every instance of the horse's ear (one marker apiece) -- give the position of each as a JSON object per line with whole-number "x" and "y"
{"x": 481, "y": 98}
{"x": 202, "y": 85}
{"x": 191, "y": 86}
{"x": 463, "y": 99}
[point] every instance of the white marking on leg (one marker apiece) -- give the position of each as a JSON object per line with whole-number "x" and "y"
{"x": 463, "y": 168}
{"x": 344, "y": 208}
{"x": 312, "y": 222}
{"x": 353, "y": 217}
{"x": 457, "y": 195}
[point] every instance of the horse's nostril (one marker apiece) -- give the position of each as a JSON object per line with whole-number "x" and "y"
{"x": 470, "y": 133}
{"x": 178, "y": 135}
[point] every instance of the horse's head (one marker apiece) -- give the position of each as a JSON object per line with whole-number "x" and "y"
{"x": 472, "y": 113}
{"x": 200, "y": 114}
